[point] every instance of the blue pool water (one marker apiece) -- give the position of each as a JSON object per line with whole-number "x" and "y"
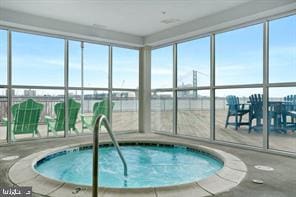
{"x": 148, "y": 166}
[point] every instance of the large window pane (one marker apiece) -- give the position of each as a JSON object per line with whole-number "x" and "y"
{"x": 48, "y": 98}
{"x": 239, "y": 116}
{"x": 282, "y": 50}
{"x": 239, "y": 56}
{"x": 162, "y": 111}
{"x": 125, "y": 111}
{"x": 162, "y": 68}
{"x": 194, "y": 113}
{"x": 3, "y": 114}
{"x": 74, "y": 64}
{"x": 96, "y": 65}
{"x": 37, "y": 60}
{"x": 282, "y": 118}
{"x": 194, "y": 63}
{"x": 3, "y": 57}
{"x": 125, "y": 68}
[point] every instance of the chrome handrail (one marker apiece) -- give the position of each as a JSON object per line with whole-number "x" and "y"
{"x": 99, "y": 121}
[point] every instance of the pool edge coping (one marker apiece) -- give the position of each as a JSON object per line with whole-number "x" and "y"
{"x": 231, "y": 174}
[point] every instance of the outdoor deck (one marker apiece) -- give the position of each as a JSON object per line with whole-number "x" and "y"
{"x": 190, "y": 123}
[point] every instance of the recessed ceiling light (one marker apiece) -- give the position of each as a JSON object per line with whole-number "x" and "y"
{"x": 170, "y": 20}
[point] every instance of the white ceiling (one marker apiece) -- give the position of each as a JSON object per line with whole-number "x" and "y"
{"x": 136, "y": 17}
{"x": 135, "y": 23}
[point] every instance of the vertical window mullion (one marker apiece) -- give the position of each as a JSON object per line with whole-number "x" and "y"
{"x": 265, "y": 84}
{"x": 110, "y": 84}
{"x": 82, "y": 78}
{"x": 175, "y": 126}
{"x": 9, "y": 88}
{"x": 66, "y": 83}
{"x": 212, "y": 89}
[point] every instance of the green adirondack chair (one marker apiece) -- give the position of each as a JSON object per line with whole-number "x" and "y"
{"x": 25, "y": 119}
{"x": 99, "y": 108}
{"x": 58, "y": 123}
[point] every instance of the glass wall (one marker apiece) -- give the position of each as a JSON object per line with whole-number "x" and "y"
{"x": 282, "y": 118}
{"x": 37, "y": 54}
{"x": 162, "y": 111}
{"x": 37, "y": 61}
{"x": 3, "y": 57}
{"x": 193, "y": 117}
{"x": 193, "y": 73}
{"x": 125, "y": 106}
{"x": 162, "y": 89}
{"x": 194, "y": 63}
{"x": 239, "y": 55}
{"x": 3, "y": 83}
{"x": 237, "y": 119}
{"x": 162, "y": 68}
{"x": 125, "y": 68}
{"x": 125, "y": 100}
{"x": 282, "y": 69}
{"x": 3, "y": 114}
{"x": 238, "y": 86}
{"x": 95, "y": 68}
{"x": 239, "y": 60}
{"x": 282, "y": 46}
{"x": 38, "y": 86}
{"x": 75, "y": 68}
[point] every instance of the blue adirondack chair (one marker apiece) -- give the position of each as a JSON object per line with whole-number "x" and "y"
{"x": 256, "y": 104}
{"x": 289, "y": 112}
{"x": 237, "y": 110}
{"x": 256, "y": 112}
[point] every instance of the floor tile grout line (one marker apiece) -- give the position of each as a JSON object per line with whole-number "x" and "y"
{"x": 55, "y": 189}
{"x": 35, "y": 176}
{"x": 237, "y": 169}
{"x": 227, "y": 179}
{"x": 204, "y": 188}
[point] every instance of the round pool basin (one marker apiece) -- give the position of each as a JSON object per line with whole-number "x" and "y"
{"x": 149, "y": 165}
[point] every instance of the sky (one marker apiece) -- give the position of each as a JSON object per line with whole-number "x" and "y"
{"x": 39, "y": 60}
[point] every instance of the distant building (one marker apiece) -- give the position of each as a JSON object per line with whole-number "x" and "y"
{"x": 12, "y": 92}
{"x": 30, "y": 93}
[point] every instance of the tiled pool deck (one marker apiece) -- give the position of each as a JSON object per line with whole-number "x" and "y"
{"x": 280, "y": 182}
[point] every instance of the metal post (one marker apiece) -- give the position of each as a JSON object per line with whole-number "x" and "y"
{"x": 265, "y": 85}
{"x": 95, "y": 160}
{"x": 212, "y": 91}
{"x": 82, "y": 79}
{"x": 66, "y": 82}
{"x": 110, "y": 84}
{"x": 9, "y": 89}
{"x": 175, "y": 104}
